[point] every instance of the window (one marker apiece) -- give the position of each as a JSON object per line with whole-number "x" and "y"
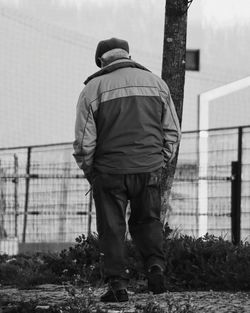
{"x": 193, "y": 60}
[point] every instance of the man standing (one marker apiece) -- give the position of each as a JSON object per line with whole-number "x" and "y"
{"x": 126, "y": 130}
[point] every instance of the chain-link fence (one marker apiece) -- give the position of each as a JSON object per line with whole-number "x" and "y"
{"x": 201, "y": 194}
{"x": 44, "y": 197}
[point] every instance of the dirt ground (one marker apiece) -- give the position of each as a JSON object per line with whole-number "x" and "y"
{"x": 48, "y": 295}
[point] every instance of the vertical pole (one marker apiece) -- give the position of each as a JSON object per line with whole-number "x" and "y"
{"x": 236, "y": 193}
{"x": 235, "y": 209}
{"x": 197, "y": 185}
{"x": 203, "y": 164}
{"x": 240, "y": 149}
{"x": 238, "y": 215}
{"x": 203, "y": 183}
{"x": 16, "y": 181}
{"x": 26, "y": 194}
{"x": 198, "y": 168}
{"x": 90, "y": 211}
{"x": 63, "y": 207}
{"x": 3, "y": 205}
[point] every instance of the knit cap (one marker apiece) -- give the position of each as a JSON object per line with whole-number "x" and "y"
{"x": 109, "y": 44}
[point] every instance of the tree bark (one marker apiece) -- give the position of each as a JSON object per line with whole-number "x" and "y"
{"x": 173, "y": 73}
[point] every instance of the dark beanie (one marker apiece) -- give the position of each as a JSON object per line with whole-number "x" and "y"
{"x": 109, "y": 44}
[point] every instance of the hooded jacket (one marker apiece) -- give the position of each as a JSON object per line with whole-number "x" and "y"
{"x": 125, "y": 121}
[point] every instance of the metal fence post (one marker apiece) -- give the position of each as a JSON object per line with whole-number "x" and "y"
{"x": 26, "y": 194}
{"x": 90, "y": 211}
{"x": 235, "y": 202}
{"x": 16, "y": 181}
{"x": 236, "y": 193}
{"x": 3, "y": 201}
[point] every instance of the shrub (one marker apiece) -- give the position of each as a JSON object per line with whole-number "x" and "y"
{"x": 82, "y": 262}
{"x": 25, "y": 271}
{"x": 205, "y": 263}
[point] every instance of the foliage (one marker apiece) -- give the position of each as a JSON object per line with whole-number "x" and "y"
{"x": 205, "y": 263}
{"x": 81, "y": 263}
{"x": 25, "y": 271}
{"x": 82, "y": 302}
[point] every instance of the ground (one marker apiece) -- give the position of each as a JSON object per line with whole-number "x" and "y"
{"x": 48, "y": 295}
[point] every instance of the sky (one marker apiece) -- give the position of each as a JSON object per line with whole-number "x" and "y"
{"x": 48, "y": 46}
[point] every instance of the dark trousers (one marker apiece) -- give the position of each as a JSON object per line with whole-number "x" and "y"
{"x": 111, "y": 194}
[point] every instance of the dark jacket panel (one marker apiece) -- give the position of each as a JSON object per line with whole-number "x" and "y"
{"x": 129, "y": 135}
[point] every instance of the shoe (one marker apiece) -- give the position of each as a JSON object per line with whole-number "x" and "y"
{"x": 111, "y": 295}
{"x": 156, "y": 280}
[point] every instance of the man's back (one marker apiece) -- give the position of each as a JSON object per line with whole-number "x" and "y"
{"x": 128, "y": 106}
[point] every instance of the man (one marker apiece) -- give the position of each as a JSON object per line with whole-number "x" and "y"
{"x": 126, "y": 130}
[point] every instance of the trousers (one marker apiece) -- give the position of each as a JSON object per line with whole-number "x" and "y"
{"x": 111, "y": 194}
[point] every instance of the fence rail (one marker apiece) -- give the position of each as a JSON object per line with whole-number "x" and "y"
{"x": 45, "y": 198}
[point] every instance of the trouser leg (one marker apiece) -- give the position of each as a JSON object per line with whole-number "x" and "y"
{"x": 110, "y": 202}
{"x": 145, "y": 226}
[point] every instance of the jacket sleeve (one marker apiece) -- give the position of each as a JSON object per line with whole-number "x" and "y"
{"x": 85, "y": 135}
{"x": 171, "y": 127}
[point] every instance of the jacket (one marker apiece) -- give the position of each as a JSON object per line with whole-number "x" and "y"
{"x": 126, "y": 121}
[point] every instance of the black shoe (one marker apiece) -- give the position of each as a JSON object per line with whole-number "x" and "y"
{"x": 111, "y": 295}
{"x": 156, "y": 280}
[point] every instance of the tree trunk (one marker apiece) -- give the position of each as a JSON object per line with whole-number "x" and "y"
{"x": 173, "y": 73}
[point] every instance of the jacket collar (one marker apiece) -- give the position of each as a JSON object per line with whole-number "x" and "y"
{"x": 117, "y": 64}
